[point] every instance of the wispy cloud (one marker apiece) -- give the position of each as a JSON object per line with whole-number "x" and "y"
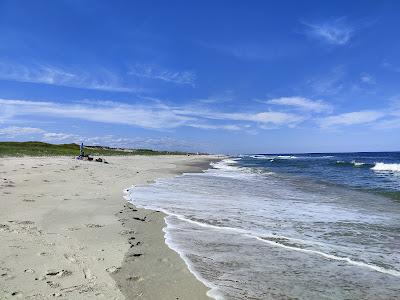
{"x": 351, "y": 118}
{"x": 162, "y": 117}
{"x": 336, "y": 32}
{"x": 154, "y": 72}
{"x": 14, "y": 131}
{"x": 302, "y": 103}
{"x": 101, "y": 79}
{"x": 389, "y": 124}
{"x": 215, "y": 127}
{"x": 249, "y": 51}
{"x": 263, "y": 118}
{"x": 152, "y": 115}
{"x": 389, "y": 66}
{"x": 328, "y": 84}
{"x": 367, "y": 78}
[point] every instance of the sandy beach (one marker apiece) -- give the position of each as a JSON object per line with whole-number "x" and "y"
{"x": 67, "y": 232}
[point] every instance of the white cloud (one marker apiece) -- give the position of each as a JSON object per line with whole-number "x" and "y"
{"x": 102, "y": 79}
{"x": 389, "y": 124}
{"x": 56, "y": 137}
{"x": 225, "y": 127}
{"x": 302, "y": 103}
{"x": 255, "y": 51}
{"x": 367, "y": 78}
{"x": 335, "y": 32}
{"x": 352, "y": 118}
{"x": 328, "y": 84}
{"x": 156, "y": 117}
{"x": 153, "y": 72}
{"x": 17, "y": 131}
{"x": 269, "y": 117}
{"x": 389, "y": 66}
{"x": 152, "y": 116}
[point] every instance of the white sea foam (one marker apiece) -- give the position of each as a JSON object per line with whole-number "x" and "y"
{"x": 334, "y": 257}
{"x": 275, "y": 243}
{"x": 357, "y": 164}
{"x": 215, "y": 294}
{"x": 208, "y": 209}
{"x": 229, "y": 168}
{"x": 379, "y": 166}
{"x": 287, "y": 157}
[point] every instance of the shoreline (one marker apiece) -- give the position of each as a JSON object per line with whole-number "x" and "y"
{"x": 66, "y": 231}
{"x": 135, "y": 217}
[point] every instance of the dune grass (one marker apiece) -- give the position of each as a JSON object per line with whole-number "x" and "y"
{"x": 45, "y": 149}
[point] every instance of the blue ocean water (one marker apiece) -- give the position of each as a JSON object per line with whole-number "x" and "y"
{"x": 374, "y": 171}
{"x": 298, "y": 226}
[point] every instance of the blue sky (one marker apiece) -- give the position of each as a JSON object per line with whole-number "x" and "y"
{"x": 216, "y": 76}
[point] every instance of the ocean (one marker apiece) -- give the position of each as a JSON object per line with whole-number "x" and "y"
{"x": 279, "y": 226}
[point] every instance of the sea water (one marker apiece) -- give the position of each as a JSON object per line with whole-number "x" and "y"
{"x": 306, "y": 226}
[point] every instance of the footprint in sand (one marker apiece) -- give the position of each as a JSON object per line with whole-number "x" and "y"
{"x": 56, "y": 295}
{"x": 113, "y": 269}
{"x": 57, "y": 273}
{"x": 71, "y": 258}
{"x": 88, "y": 274}
{"x": 29, "y": 271}
{"x": 126, "y": 232}
{"x": 53, "y": 284}
{"x": 94, "y": 225}
{"x": 135, "y": 255}
{"x": 4, "y": 273}
{"x": 4, "y": 227}
{"x": 134, "y": 278}
{"x": 74, "y": 228}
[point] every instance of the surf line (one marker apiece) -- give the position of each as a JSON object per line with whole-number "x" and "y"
{"x": 328, "y": 256}
{"x": 249, "y": 235}
{"x": 333, "y": 257}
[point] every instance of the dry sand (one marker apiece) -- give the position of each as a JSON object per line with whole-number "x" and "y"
{"x": 67, "y": 232}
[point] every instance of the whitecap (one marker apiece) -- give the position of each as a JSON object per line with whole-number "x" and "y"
{"x": 379, "y": 166}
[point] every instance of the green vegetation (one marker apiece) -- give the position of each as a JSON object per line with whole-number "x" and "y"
{"x": 45, "y": 149}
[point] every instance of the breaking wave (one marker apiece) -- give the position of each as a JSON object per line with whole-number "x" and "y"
{"x": 379, "y": 166}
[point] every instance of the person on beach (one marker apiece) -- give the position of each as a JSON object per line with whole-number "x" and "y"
{"x": 81, "y": 152}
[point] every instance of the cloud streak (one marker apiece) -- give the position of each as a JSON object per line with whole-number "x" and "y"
{"x": 302, "y": 104}
{"x": 352, "y": 118}
{"x": 367, "y": 78}
{"x": 162, "y": 117}
{"x": 151, "y": 116}
{"x": 104, "y": 80}
{"x": 336, "y": 32}
{"x": 154, "y": 72}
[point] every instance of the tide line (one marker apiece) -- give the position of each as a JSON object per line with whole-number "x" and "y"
{"x": 326, "y": 255}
